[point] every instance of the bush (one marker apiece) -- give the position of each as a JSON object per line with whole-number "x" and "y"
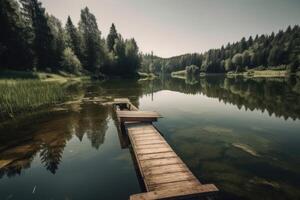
{"x": 70, "y": 62}
{"x": 192, "y": 70}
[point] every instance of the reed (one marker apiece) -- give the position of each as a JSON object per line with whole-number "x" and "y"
{"x": 21, "y": 96}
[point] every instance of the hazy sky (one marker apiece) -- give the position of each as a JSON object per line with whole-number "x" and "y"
{"x": 173, "y": 27}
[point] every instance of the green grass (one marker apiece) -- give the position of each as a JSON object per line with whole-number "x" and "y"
{"x": 22, "y": 96}
{"x": 270, "y": 73}
{"x": 60, "y": 76}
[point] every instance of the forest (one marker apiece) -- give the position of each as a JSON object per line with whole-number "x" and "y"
{"x": 280, "y": 51}
{"x": 40, "y": 42}
{"x": 33, "y": 40}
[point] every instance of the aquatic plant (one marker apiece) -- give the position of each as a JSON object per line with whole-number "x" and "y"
{"x": 21, "y": 96}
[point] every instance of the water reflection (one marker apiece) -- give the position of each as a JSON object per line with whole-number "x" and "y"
{"x": 244, "y": 150}
{"x": 48, "y": 138}
{"x": 277, "y": 96}
{"x": 230, "y": 132}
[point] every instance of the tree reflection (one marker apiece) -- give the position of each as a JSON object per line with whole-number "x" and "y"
{"x": 48, "y": 139}
{"x": 277, "y": 96}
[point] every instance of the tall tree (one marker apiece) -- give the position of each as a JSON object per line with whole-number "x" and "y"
{"x": 92, "y": 45}
{"x": 73, "y": 38}
{"x": 58, "y": 43}
{"x": 111, "y": 38}
{"x": 43, "y": 37}
{"x": 15, "y": 40}
{"x": 132, "y": 56}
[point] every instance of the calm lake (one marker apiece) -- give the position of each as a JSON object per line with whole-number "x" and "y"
{"x": 243, "y": 135}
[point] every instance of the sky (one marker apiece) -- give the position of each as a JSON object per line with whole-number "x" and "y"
{"x": 174, "y": 27}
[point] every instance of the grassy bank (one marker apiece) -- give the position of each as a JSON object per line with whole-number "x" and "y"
{"x": 25, "y": 92}
{"x": 21, "y": 96}
{"x": 261, "y": 73}
{"x": 61, "y": 77}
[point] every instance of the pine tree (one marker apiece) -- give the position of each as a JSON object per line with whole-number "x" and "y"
{"x": 58, "y": 44}
{"x": 132, "y": 56}
{"x": 111, "y": 38}
{"x": 15, "y": 40}
{"x": 73, "y": 38}
{"x": 35, "y": 15}
{"x": 93, "y": 56}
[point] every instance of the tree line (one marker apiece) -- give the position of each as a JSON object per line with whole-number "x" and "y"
{"x": 32, "y": 39}
{"x": 274, "y": 51}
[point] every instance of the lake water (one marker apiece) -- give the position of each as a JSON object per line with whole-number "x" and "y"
{"x": 242, "y": 135}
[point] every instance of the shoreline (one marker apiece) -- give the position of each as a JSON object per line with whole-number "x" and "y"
{"x": 248, "y": 74}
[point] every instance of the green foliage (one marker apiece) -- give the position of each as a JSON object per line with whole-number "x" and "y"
{"x": 133, "y": 59}
{"x": 70, "y": 62}
{"x": 21, "y": 96}
{"x": 40, "y": 42}
{"x": 237, "y": 59}
{"x": 192, "y": 70}
{"x": 58, "y": 43}
{"x": 43, "y": 38}
{"x": 92, "y": 46}
{"x": 278, "y": 49}
{"x": 124, "y": 58}
{"x": 73, "y": 38}
{"x": 111, "y": 38}
{"x": 15, "y": 39}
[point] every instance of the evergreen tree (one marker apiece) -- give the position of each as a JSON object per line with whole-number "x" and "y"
{"x": 58, "y": 44}
{"x": 43, "y": 38}
{"x": 132, "y": 56}
{"x": 93, "y": 57}
{"x": 15, "y": 40}
{"x": 277, "y": 50}
{"x": 111, "y": 38}
{"x": 73, "y": 38}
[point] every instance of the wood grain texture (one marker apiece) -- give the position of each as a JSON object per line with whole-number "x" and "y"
{"x": 164, "y": 174}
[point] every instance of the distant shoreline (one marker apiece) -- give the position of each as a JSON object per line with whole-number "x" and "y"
{"x": 250, "y": 73}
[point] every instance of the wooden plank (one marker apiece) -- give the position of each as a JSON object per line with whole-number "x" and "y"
{"x": 138, "y": 114}
{"x": 164, "y": 174}
{"x": 197, "y": 191}
{"x": 153, "y": 146}
{"x": 159, "y": 162}
{"x": 147, "y": 142}
{"x": 139, "y": 125}
{"x": 165, "y": 169}
{"x": 141, "y": 132}
{"x": 121, "y": 100}
{"x": 157, "y": 156}
{"x": 173, "y": 185}
{"x": 168, "y": 178}
{"x": 147, "y": 137}
{"x": 150, "y": 151}
{"x": 137, "y": 119}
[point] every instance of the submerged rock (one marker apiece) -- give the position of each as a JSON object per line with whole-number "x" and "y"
{"x": 246, "y": 148}
{"x": 261, "y": 181}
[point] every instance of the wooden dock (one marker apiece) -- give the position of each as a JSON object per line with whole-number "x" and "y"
{"x": 164, "y": 174}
